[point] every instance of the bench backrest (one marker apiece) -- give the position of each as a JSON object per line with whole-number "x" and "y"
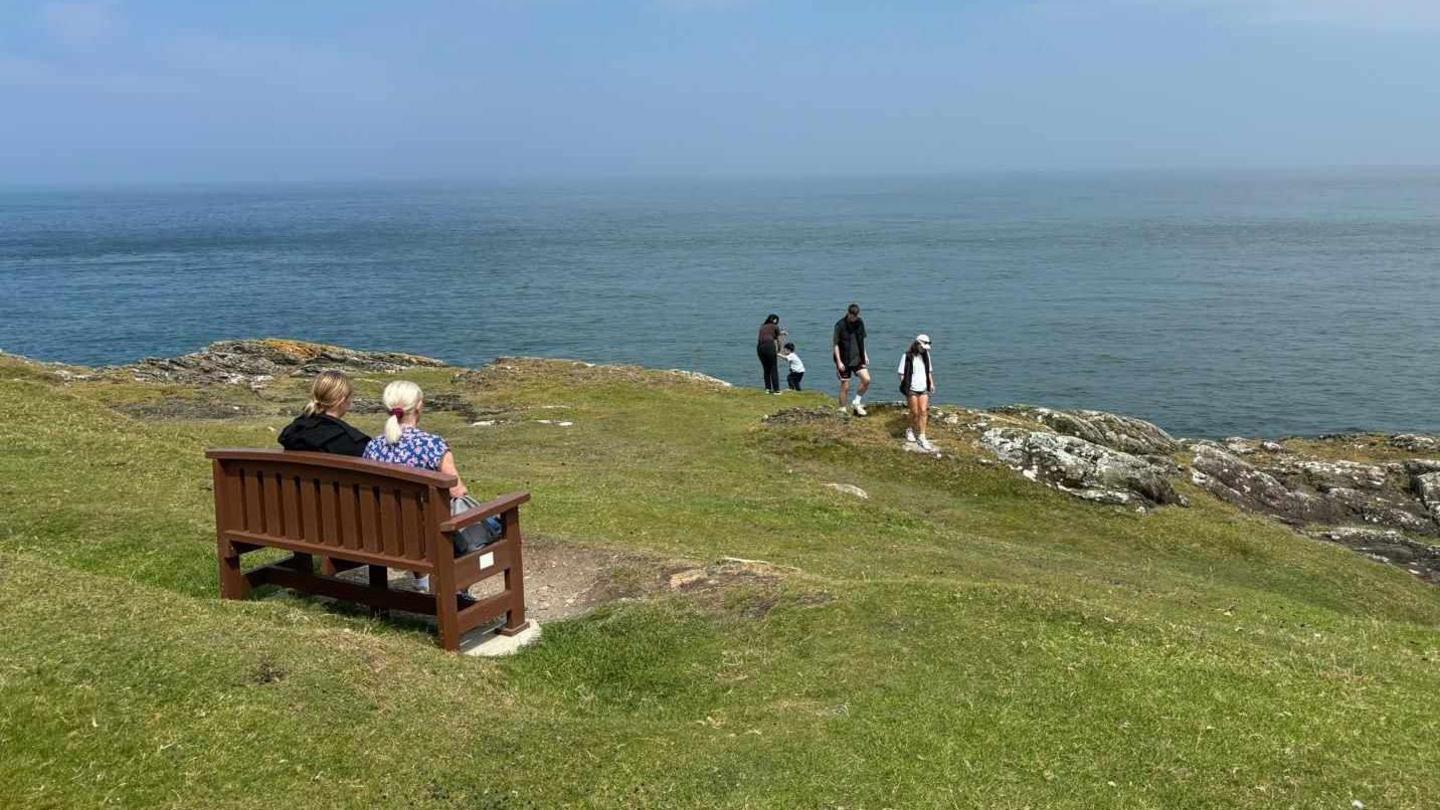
{"x": 333, "y": 506}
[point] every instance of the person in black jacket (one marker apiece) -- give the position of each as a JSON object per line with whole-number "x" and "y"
{"x": 321, "y": 428}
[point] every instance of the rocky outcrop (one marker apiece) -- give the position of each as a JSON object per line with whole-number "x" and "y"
{"x": 1415, "y": 443}
{"x": 1427, "y": 488}
{"x": 254, "y": 363}
{"x": 1388, "y": 546}
{"x": 1124, "y": 433}
{"x": 1308, "y": 492}
{"x": 1082, "y": 468}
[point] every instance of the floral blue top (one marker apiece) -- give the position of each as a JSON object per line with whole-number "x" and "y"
{"x": 416, "y": 448}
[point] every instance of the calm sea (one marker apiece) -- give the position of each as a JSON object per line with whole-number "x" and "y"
{"x": 1213, "y": 304}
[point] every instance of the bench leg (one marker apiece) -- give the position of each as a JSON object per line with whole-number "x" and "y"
{"x": 304, "y": 563}
{"x": 233, "y": 584}
{"x": 447, "y": 610}
{"x": 515, "y": 577}
{"x": 379, "y": 578}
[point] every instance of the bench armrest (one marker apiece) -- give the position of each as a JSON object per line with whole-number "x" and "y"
{"x": 470, "y": 517}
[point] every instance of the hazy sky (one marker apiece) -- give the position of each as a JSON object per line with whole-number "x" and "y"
{"x": 166, "y": 90}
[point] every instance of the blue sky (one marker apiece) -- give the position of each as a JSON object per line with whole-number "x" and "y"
{"x": 165, "y": 90}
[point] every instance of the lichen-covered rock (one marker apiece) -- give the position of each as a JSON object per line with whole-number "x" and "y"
{"x": 254, "y": 363}
{"x": 1082, "y": 468}
{"x": 1327, "y": 475}
{"x": 1316, "y": 492}
{"x": 1233, "y": 479}
{"x": 1124, "y": 433}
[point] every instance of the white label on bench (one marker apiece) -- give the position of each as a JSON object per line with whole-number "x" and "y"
{"x": 487, "y": 560}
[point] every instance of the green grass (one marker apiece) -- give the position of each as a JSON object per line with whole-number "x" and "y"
{"x": 963, "y": 638}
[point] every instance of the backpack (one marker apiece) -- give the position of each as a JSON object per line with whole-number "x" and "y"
{"x": 477, "y": 535}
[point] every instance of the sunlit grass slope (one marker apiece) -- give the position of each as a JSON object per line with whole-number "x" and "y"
{"x": 962, "y": 638}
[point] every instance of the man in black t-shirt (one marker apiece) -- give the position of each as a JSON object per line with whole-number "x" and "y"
{"x": 851, "y": 359}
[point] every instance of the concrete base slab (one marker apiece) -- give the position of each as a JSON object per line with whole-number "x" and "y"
{"x": 490, "y": 644}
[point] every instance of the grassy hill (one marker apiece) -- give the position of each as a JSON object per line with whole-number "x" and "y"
{"x": 961, "y": 638}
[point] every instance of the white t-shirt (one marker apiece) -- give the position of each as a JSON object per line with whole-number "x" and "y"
{"x": 796, "y": 365}
{"x": 919, "y": 374}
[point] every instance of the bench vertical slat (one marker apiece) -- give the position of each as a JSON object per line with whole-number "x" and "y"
{"x": 250, "y": 497}
{"x": 389, "y": 504}
{"x": 306, "y": 505}
{"x": 346, "y": 505}
{"x": 368, "y": 497}
{"x": 290, "y": 504}
{"x": 329, "y": 517}
{"x": 412, "y": 527}
{"x": 270, "y": 497}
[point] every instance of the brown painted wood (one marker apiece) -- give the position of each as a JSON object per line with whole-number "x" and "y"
{"x": 269, "y": 486}
{"x": 309, "y": 509}
{"x": 357, "y": 557}
{"x": 287, "y": 577}
{"x": 468, "y": 570}
{"x": 388, "y": 510}
{"x": 370, "y": 518}
{"x": 515, "y": 576}
{"x": 483, "y": 612}
{"x": 290, "y": 504}
{"x": 329, "y": 514}
{"x": 326, "y": 461}
{"x": 496, "y": 507}
{"x": 442, "y": 579}
{"x": 412, "y": 525}
{"x": 254, "y": 517}
{"x": 348, "y": 510}
{"x": 233, "y": 584}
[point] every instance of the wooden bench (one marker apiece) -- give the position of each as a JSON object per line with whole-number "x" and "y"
{"x": 353, "y": 513}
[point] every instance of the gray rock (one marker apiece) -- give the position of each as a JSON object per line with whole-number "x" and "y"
{"x": 1414, "y": 442}
{"x": 849, "y": 489}
{"x": 254, "y": 363}
{"x": 1233, "y": 479}
{"x": 1327, "y": 475}
{"x": 1124, "y": 433}
{"x": 1389, "y": 546}
{"x": 1427, "y": 487}
{"x": 1082, "y": 468}
{"x": 1315, "y": 492}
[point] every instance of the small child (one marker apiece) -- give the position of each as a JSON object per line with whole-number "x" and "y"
{"x": 797, "y": 366}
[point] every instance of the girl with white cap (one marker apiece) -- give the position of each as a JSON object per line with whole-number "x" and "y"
{"x": 917, "y": 383}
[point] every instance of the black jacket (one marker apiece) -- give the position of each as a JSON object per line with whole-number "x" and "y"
{"x": 319, "y": 433}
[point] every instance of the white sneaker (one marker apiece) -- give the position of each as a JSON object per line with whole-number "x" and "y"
{"x": 909, "y": 436}
{"x": 422, "y": 583}
{"x": 925, "y": 444}
{"x": 857, "y": 408}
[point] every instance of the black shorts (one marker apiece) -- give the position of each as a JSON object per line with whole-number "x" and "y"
{"x": 846, "y": 372}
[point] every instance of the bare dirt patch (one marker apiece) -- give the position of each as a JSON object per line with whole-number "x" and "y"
{"x": 564, "y": 580}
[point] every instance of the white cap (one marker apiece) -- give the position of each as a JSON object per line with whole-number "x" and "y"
{"x": 923, "y": 339}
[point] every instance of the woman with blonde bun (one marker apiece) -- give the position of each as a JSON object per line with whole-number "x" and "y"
{"x": 321, "y": 427}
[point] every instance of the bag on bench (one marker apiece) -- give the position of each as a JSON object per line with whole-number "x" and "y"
{"x": 478, "y": 535}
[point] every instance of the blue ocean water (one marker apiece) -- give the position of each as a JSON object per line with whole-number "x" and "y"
{"x": 1211, "y": 303}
